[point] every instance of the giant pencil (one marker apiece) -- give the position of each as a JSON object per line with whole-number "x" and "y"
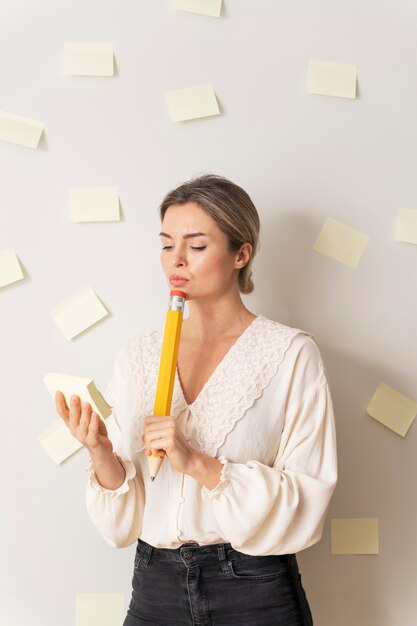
{"x": 167, "y": 366}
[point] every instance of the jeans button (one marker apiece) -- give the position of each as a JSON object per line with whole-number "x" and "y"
{"x": 188, "y": 554}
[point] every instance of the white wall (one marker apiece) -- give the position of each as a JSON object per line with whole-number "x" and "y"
{"x": 301, "y": 158}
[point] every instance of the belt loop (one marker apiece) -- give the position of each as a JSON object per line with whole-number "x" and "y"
{"x": 147, "y": 552}
{"x": 222, "y": 558}
{"x": 151, "y": 549}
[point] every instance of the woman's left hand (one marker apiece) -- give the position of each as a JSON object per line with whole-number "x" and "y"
{"x": 162, "y": 434}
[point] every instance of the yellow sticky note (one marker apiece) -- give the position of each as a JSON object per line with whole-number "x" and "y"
{"x": 355, "y": 536}
{"x": 58, "y": 442}
{"x": 88, "y": 59}
{"x": 204, "y": 7}
{"x": 392, "y": 409}
{"x": 21, "y": 130}
{"x": 94, "y": 204}
{"x": 10, "y": 270}
{"x": 80, "y": 386}
{"x": 78, "y": 313}
{"x": 192, "y": 103}
{"x": 341, "y": 243}
{"x": 331, "y": 79}
{"x": 99, "y": 609}
{"x": 406, "y": 228}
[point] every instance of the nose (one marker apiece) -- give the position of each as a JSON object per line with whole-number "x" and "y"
{"x": 179, "y": 259}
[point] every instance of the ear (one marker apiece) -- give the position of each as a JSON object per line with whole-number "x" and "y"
{"x": 243, "y": 255}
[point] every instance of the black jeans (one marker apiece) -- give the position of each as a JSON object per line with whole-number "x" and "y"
{"x": 215, "y": 585}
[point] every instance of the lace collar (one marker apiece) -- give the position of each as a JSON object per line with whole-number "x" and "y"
{"x": 238, "y": 380}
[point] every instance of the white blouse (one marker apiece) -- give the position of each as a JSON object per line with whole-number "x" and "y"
{"x": 266, "y": 413}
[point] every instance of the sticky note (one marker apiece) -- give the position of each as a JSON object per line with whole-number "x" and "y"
{"x": 99, "y": 609}
{"x": 21, "y": 130}
{"x": 331, "y": 79}
{"x": 391, "y": 408}
{"x": 204, "y": 7}
{"x": 406, "y": 227}
{"x": 355, "y": 536}
{"x": 341, "y": 243}
{"x": 58, "y": 442}
{"x": 88, "y": 59}
{"x": 192, "y": 103}
{"x": 10, "y": 270}
{"x": 78, "y": 313}
{"x": 80, "y": 386}
{"x": 94, "y": 204}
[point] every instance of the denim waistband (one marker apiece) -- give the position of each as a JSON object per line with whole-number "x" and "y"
{"x": 190, "y": 551}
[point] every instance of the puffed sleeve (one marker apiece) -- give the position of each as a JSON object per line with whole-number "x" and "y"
{"x": 117, "y": 514}
{"x": 264, "y": 510}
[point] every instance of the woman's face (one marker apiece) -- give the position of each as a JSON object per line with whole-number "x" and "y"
{"x": 194, "y": 254}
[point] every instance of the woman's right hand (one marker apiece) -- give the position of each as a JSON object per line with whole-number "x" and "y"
{"x": 84, "y": 424}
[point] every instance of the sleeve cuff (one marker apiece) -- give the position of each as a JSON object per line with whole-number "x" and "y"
{"x": 224, "y": 479}
{"x": 130, "y": 471}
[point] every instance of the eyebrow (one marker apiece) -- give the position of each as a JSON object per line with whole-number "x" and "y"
{"x": 185, "y": 236}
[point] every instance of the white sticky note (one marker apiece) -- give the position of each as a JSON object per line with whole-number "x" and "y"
{"x": 341, "y": 243}
{"x": 78, "y": 313}
{"x": 21, "y": 130}
{"x": 88, "y": 59}
{"x": 99, "y": 609}
{"x": 203, "y": 7}
{"x": 94, "y": 204}
{"x": 406, "y": 227}
{"x": 391, "y": 408}
{"x": 332, "y": 79}
{"x": 355, "y": 536}
{"x": 58, "y": 442}
{"x": 80, "y": 386}
{"x": 10, "y": 270}
{"x": 192, "y": 103}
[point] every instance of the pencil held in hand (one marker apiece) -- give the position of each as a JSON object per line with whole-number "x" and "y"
{"x": 167, "y": 366}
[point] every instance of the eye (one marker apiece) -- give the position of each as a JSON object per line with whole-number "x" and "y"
{"x": 198, "y": 247}
{"x": 166, "y": 247}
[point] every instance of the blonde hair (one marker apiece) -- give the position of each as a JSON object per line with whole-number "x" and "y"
{"x": 232, "y": 210}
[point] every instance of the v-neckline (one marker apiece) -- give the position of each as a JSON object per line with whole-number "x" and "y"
{"x": 216, "y": 369}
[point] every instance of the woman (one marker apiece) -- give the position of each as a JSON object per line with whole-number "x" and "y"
{"x": 250, "y": 444}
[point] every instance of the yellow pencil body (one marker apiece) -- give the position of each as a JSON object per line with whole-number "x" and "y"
{"x": 167, "y": 366}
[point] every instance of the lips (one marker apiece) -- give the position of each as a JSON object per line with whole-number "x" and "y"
{"x": 177, "y": 277}
{"x": 177, "y": 281}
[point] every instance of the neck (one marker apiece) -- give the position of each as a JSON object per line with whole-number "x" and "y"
{"x": 215, "y": 319}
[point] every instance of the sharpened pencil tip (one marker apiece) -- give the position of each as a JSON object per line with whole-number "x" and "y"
{"x": 152, "y": 478}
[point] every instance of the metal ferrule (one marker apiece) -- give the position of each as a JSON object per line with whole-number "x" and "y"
{"x": 176, "y": 303}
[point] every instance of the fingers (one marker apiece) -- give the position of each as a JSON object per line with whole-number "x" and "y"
{"x": 79, "y": 418}
{"x": 74, "y": 412}
{"x": 157, "y": 429}
{"x": 102, "y": 428}
{"x": 154, "y": 446}
{"x": 158, "y": 420}
{"x": 85, "y": 419}
{"x": 157, "y": 441}
{"x": 93, "y": 429}
{"x": 97, "y": 435}
{"x": 61, "y": 406}
{"x": 84, "y": 424}
{"x": 162, "y": 425}
{"x": 160, "y": 453}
